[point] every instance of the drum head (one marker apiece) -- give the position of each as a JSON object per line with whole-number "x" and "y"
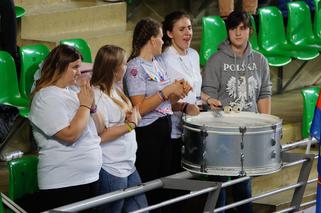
{"x": 232, "y": 120}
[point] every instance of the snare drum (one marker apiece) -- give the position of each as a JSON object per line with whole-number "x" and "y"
{"x": 233, "y": 144}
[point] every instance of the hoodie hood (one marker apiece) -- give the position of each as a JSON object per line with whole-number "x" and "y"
{"x": 226, "y": 48}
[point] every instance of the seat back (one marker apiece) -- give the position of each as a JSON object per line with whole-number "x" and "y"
{"x": 22, "y": 176}
{"x": 213, "y": 33}
{"x": 31, "y": 56}
{"x": 8, "y": 81}
{"x": 81, "y": 45}
{"x": 317, "y": 18}
{"x": 310, "y": 96}
{"x": 299, "y": 27}
{"x": 271, "y": 31}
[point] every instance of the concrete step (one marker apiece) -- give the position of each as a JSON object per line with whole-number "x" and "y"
{"x": 72, "y": 17}
{"x": 29, "y": 4}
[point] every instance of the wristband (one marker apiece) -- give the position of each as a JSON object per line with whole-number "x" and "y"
{"x": 133, "y": 124}
{"x": 93, "y": 109}
{"x": 162, "y": 95}
{"x": 82, "y": 105}
{"x": 129, "y": 127}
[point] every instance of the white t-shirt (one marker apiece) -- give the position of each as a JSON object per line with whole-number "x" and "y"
{"x": 62, "y": 164}
{"x": 119, "y": 155}
{"x": 183, "y": 67}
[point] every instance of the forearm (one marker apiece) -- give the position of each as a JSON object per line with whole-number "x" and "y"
{"x": 99, "y": 122}
{"x": 76, "y": 127}
{"x": 112, "y": 133}
{"x": 264, "y": 105}
{"x": 148, "y": 104}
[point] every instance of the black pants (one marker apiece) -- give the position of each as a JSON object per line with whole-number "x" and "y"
{"x": 52, "y": 198}
{"x": 8, "y": 30}
{"x": 154, "y": 154}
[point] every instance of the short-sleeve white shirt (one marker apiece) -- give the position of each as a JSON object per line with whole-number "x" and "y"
{"x": 119, "y": 155}
{"x": 62, "y": 164}
{"x": 183, "y": 67}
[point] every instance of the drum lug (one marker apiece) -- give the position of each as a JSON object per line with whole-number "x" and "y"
{"x": 273, "y": 155}
{"x": 273, "y": 142}
{"x": 183, "y": 150}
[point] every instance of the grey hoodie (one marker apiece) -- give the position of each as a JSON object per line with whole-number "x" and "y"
{"x": 237, "y": 81}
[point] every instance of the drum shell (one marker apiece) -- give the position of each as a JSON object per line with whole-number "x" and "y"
{"x": 217, "y": 150}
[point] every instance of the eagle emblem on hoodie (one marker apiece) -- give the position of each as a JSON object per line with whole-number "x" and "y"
{"x": 242, "y": 91}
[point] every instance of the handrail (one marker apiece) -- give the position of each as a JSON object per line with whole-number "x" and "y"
{"x": 121, "y": 194}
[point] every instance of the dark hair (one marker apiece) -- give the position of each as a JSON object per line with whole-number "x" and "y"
{"x": 169, "y": 23}
{"x": 237, "y": 17}
{"x": 55, "y": 65}
{"x": 144, "y": 30}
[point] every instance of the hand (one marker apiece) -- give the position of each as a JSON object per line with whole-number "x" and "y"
{"x": 214, "y": 103}
{"x": 86, "y": 94}
{"x": 192, "y": 109}
{"x": 177, "y": 89}
{"x": 133, "y": 116}
{"x": 186, "y": 86}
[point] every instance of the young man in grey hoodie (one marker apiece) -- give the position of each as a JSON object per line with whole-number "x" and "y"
{"x": 238, "y": 76}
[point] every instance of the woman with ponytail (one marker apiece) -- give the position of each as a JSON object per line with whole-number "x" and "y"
{"x": 149, "y": 87}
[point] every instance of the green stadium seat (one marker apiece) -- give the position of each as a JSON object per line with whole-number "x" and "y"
{"x": 81, "y": 45}
{"x": 299, "y": 27}
{"x": 310, "y": 96}
{"x": 9, "y": 90}
{"x": 19, "y": 11}
{"x": 317, "y": 18}
{"x": 31, "y": 56}
{"x": 274, "y": 60}
{"x": 213, "y": 33}
{"x": 22, "y": 176}
{"x": 272, "y": 36}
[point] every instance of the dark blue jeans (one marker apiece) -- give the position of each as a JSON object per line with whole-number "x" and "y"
{"x": 110, "y": 183}
{"x": 240, "y": 191}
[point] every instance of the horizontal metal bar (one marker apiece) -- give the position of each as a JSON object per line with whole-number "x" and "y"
{"x": 177, "y": 199}
{"x": 12, "y": 205}
{"x": 120, "y": 194}
{"x": 293, "y": 207}
{"x": 232, "y": 205}
{"x": 297, "y": 144}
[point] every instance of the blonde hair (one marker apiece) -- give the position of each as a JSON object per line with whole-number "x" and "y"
{"x": 107, "y": 62}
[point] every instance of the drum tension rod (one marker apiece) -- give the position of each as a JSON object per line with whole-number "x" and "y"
{"x": 204, "y": 134}
{"x": 242, "y": 131}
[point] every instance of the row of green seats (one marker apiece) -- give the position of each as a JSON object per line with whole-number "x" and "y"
{"x": 300, "y": 42}
{"x": 17, "y": 93}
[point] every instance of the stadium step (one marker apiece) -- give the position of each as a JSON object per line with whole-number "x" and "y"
{"x": 97, "y": 22}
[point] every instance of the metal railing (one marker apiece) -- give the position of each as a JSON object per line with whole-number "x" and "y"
{"x": 290, "y": 159}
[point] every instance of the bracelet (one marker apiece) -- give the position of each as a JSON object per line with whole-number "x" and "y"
{"x": 131, "y": 122}
{"x": 185, "y": 107}
{"x": 82, "y": 105}
{"x": 129, "y": 127}
{"x": 93, "y": 109}
{"x": 160, "y": 92}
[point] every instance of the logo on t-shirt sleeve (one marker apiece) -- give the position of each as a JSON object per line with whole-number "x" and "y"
{"x": 134, "y": 72}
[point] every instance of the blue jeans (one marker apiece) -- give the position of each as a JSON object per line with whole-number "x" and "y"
{"x": 109, "y": 183}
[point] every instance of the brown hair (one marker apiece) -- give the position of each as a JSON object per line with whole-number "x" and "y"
{"x": 55, "y": 65}
{"x": 107, "y": 62}
{"x": 144, "y": 30}
{"x": 169, "y": 23}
